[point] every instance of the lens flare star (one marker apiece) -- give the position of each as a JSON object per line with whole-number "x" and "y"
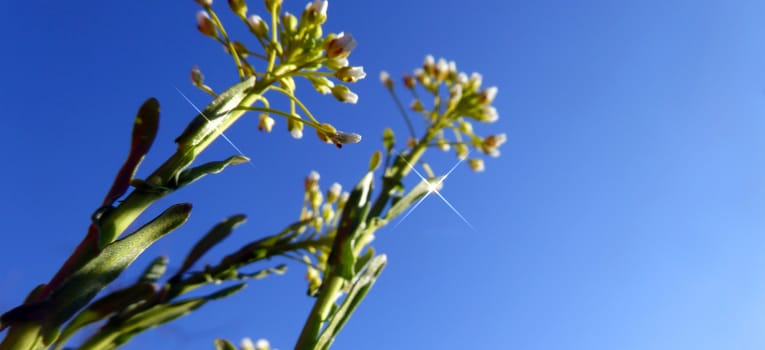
{"x": 435, "y": 188}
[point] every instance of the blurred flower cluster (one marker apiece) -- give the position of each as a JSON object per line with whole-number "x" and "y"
{"x": 322, "y": 211}
{"x": 457, "y": 101}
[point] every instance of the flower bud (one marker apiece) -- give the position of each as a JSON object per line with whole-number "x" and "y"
{"x": 316, "y": 12}
{"x": 315, "y": 198}
{"x": 461, "y": 150}
{"x": 262, "y": 344}
{"x": 350, "y": 74}
{"x": 429, "y": 65}
{"x": 389, "y": 139}
{"x": 496, "y": 140}
{"x": 466, "y": 127}
{"x": 455, "y": 95}
{"x": 204, "y": 3}
{"x": 416, "y": 106}
{"x": 247, "y": 344}
{"x": 342, "y": 200}
{"x": 321, "y": 84}
{"x": 341, "y": 138}
{"x": 340, "y": 46}
{"x": 327, "y": 213}
{"x": 442, "y": 144}
{"x": 205, "y": 25}
{"x": 452, "y": 71}
{"x": 343, "y": 94}
{"x": 290, "y": 22}
{"x": 462, "y": 78}
{"x": 409, "y": 81}
{"x": 258, "y": 26}
{"x": 442, "y": 69}
{"x": 325, "y": 132}
{"x": 311, "y": 181}
{"x": 487, "y": 95}
{"x": 333, "y": 193}
{"x": 475, "y": 81}
{"x": 196, "y": 76}
{"x": 336, "y": 63}
{"x": 386, "y": 80}
{"x": 476, "y": 164}
{"x": 488, "y": 114}
{"x": 265, "y": 122}
{"x": 239, "y": 7}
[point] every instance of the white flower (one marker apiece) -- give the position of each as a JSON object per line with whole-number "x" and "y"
{"x": 488, "y": 114}
{"x": 488, "y": 94}
{"x": 320, "y": 6}
{"x": 386, "y": 80}
{"x": 247, "y": 344}
{"x": 343, "y": 94}
{"x": 340, "y": 46}
{"x": 350, "y": 74}
{"x": 341, "y": 138}
{"x": 462, "y": 78}
{"x": 475, "y": 80}
{"x": 262, "y": 344}
{"x": 196, "y": 75}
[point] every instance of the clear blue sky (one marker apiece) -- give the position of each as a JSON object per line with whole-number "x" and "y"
{"x": 626, "y": 211}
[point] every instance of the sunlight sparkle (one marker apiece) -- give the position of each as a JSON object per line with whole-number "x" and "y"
{"x": 435, "y": 188}
{"x": 209, "y": 121}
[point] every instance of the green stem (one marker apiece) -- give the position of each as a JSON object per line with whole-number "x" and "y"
{"x": 25, "y": 336}
{"x": 321, "y": 309}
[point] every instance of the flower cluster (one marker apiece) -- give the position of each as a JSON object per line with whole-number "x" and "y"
{"x": 322, "y": 208}
{"x": 292, "y": 48}
{"x": 465, "y": 103}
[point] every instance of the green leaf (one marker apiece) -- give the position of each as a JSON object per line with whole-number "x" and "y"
{"x": 217, "y": 234}
{"x": 389, "y": 140}
{"x": 374, "y": 161}
{"x": 279, "y": 270}
{"x": 342, "y": 259}
{"x": 193, "y": 174}
{"x": 105, "y": 306}
{"x": 84, "y": 284}
{"x": 144, "y": 132}
{"x": 155, "y": 270}
{"x": 356, "y": 293}
{"x": 216, "y": 117}
{"x": 223, "y": 344}
{"x": 115, "y": 333}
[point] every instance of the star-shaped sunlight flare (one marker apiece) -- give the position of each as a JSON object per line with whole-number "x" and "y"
{"x": 434, "y": 188}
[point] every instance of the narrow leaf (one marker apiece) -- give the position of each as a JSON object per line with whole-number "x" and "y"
{"x": 144, "y": 131}
{"x": 216, "y": 117}
{"x": 213, "y": 237}
{"x": 279, "y": 270}
{"x": 193, "y": 174}
{"x": 358, "y": 290}
{"x": 342, "y": 258}
{"x": 103, "y": 307}
{"x": 223, "y": 344}
{"x": 84, "y": 284}
{"x": 155, "y": 270}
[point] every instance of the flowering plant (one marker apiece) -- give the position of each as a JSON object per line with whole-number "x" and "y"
{"x": 331, "y": 237}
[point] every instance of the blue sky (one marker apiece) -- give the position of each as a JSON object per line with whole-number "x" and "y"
{"x": 625, "y": 211}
